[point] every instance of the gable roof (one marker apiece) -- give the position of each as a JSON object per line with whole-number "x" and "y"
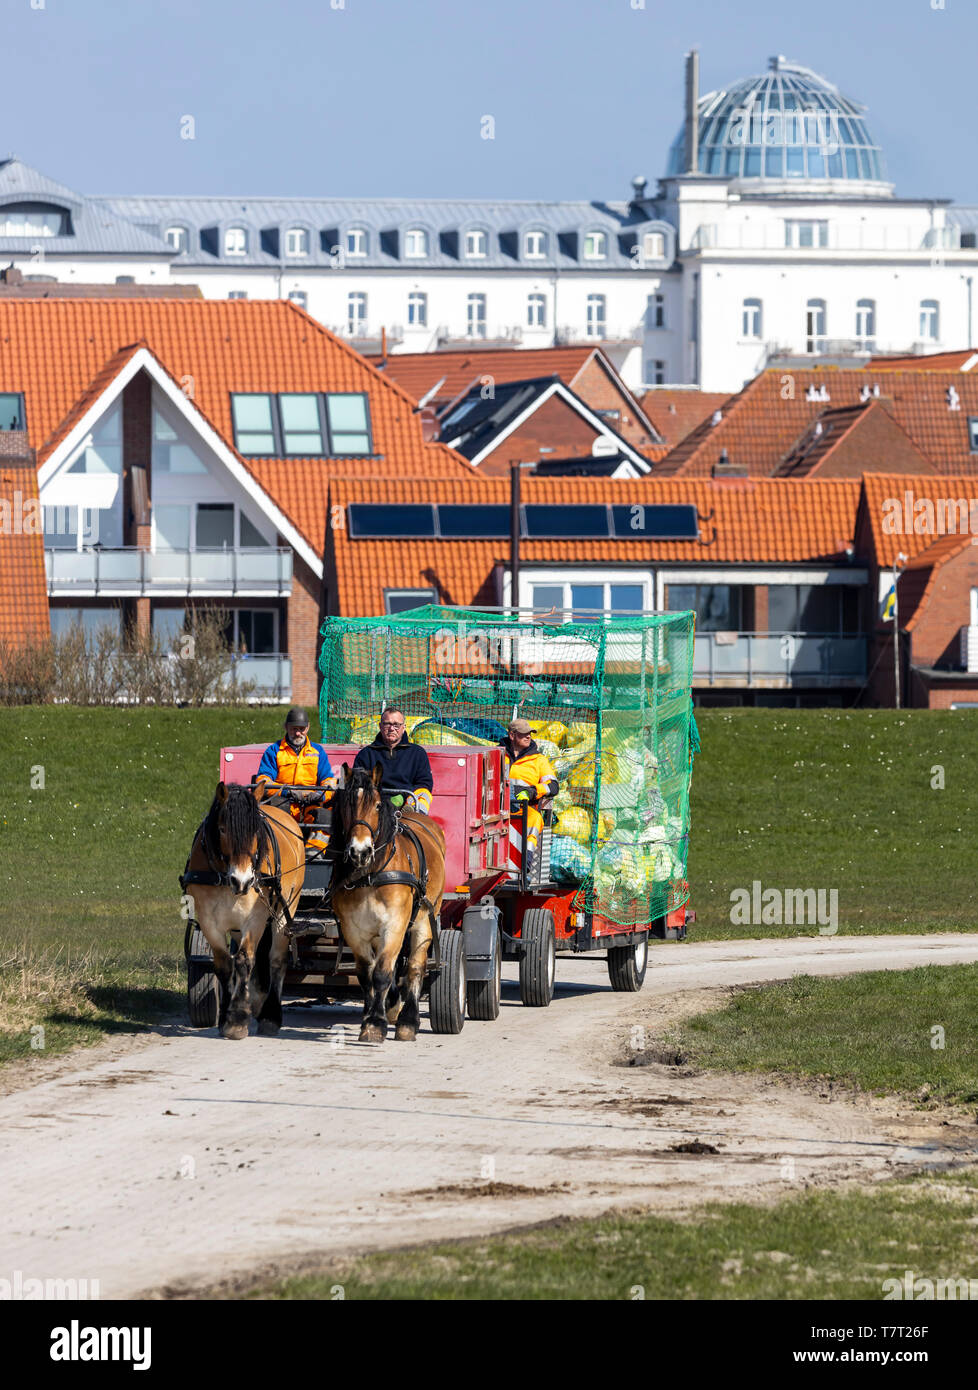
{"x": 893, "y": 526}
{"x": 963, "y": 360}
{"x": 63, "y": 353}
{"x": 419, "y": 372}
{"x": 760, "y": 425}
{"x": 770, "y": 521}
{"x": 477, "y": 425}
{"x": 851, "y": 439}
{"x": 921, "y": 574}
{"x": 675, "y": 412}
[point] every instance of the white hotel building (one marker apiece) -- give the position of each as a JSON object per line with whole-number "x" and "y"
{"x": 773, "y": 236}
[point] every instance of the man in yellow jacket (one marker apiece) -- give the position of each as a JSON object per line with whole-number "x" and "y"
{"x": 531, "y": 779}
{"x": 297, "y": 762}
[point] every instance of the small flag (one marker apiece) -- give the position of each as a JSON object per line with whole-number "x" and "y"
{"x": 888, "y": 609}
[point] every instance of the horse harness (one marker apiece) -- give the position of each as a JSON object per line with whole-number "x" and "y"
{"x": 217, "y": 878}
{"x": 381, "y": 876}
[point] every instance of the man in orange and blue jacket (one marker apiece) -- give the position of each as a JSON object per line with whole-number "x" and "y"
{"x": 297, "y": 762}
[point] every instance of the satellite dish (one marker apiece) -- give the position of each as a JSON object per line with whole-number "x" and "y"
{"x": 603, "y": 447}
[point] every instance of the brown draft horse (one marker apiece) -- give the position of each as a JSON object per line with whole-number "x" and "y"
{"x": 245, "y": 874}
{"x": 372, "y": 845}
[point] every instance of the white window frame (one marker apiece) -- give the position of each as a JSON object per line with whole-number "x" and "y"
{"x": 193, "y": 503}
{"x": 413, "y": 237}
{"x": 866, "y": 321}
{"x": 301, "y": 236}
{"x": 356, "y": 241}
{"x": 812, "y": 335}
{"x": 597, "y": 241}
{"x": 424, "y": 596}
{"x": 470, "y": 235}
{"x": 183, "y": 233}
{"x": 417, "y": 309}
{"x": 597, "y": 315}
{"x": 793, "y": 233}
{"x": 300, "y": 297}
{"x": 536, "y": 310}
{"x": 231, "y": 237}
{"x": 356, "y": 322}
{"x": 541, "y": 253}
{"x": 657, "y": 376}
{"x": 930, "y": 317}
{"x": 752, "y": 320}
{"x": 653, "y": 246}
{"x": 476, "y": 327}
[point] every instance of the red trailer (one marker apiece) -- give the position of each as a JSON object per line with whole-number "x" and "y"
{"x": 492, "y": 909}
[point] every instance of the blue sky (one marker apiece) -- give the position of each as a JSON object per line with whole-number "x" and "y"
{"x": 386, "y": 97}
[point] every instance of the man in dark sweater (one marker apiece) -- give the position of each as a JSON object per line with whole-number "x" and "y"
{"x": 407, "y": 771}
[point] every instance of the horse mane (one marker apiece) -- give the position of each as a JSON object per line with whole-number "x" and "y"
{"x": 243, "y": 822}
{"x": 344, "y": 799}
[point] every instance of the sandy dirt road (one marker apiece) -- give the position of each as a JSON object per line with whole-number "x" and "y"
{"x": 175, "y": 1160}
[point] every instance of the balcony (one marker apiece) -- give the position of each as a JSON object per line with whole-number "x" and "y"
{"x": 455, "y": 336}
{"x": 620, "y": 335}
{"x": 777, "y": 659}
{"x": 130, "y": 571}
{"x": 270, "y": 674}
{"x": 366, "y": 338}
{"x": 770, "y": 236}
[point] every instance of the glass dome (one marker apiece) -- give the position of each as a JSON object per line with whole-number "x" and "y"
{"x": 788, "y": 125}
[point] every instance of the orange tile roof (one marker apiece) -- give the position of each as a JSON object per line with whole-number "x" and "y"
{"x": 770, "y": 521}
{"x": 761, "y": 423}
{"x": 920, "y": 576}
{"x": 23, "y": 584}
{"x": 676, "y": 412}
{"x": 928, "y": 362}
{"x": 850, "y": 440}
{"x": 57, "y": 351}
{"x": 893, "y": 527}
{"x": 418, "y": 372}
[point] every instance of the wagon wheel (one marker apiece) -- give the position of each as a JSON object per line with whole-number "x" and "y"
{"x": 483, "y": 995}
{"x": 202, "y": 994}
{"x": 446, "y": 997}
{"x": 627, "y": 966}
{"x": 538, "y": 960}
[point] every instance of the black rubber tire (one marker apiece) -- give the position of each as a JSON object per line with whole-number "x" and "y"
{"x": 538, "y": 958}
{"x": 202, "y": 997}
{"x": 483, "y": 995}
{"x": 447, "y": 994}
{"x": 627, "y": 966}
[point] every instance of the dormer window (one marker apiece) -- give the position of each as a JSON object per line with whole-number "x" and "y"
{"x": 476, "y": 244}
{"x": 33, "y": 219}
{"x": 415, "y": 243}
{"x": 356, "y": 242}
{"x": 177, "y": 238}
{"x": 297, "y": 242}
{"x": 535, "y": 246}
{"x": 236, "y": 241}
{"x": 596, "y": 246}
{"x": 654, "y": 246}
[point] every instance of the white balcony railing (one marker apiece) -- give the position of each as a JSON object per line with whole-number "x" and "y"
{"x": 263, "y": 569}
{"x": 604, "y": 333}
{"x": 770, "y": 236}
{"x": 969, "y": 649}
{"x": 787, "y": 658}
{"x": 467, "y": 336}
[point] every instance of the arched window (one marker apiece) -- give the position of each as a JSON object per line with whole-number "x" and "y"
{"x": 177, "y": 238}
{"x": 815, "y": 320}
{"x": 866, "y": 322}
{"x": 535, "y": 245}
{"x": 752, "y": 319}
{"x": 415, "y": 243}
{"x": 476, "y": 244}
{"x": 297, "y": 242}
{"x": 654, "y": 246}
{"x": 356, "y": 241}
{"x": 595, "y": 246}
{"x": 930, "y": 321}
{"x": 236, "y": 241}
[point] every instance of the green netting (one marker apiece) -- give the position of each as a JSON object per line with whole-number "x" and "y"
{"x": 611, "y": 703}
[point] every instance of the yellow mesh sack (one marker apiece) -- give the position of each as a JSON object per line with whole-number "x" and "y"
{"x": 575, "y": 823}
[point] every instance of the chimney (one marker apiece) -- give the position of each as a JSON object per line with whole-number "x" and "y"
{"x": 724, "y": 468}
{"x": 383, "y": 345}
{"x": 692, "y": 111}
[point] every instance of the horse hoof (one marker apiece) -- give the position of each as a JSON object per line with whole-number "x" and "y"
{"x": 371, "y": 1033}
{"x": 404, "y": 1033}
{"x": 267, "y": 1028}
{"x": 234, "y": 1031}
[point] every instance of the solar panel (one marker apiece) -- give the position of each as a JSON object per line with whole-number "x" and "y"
{"x": 379, "y": 520}
{"x": 466, "y": 522}
{"x": 653, "y": 522}
{"x": 573, "y": 523}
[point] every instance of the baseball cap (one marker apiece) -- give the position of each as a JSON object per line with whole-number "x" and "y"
{"x": 297, "y": 715}
{"x": 520, "y": 726}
